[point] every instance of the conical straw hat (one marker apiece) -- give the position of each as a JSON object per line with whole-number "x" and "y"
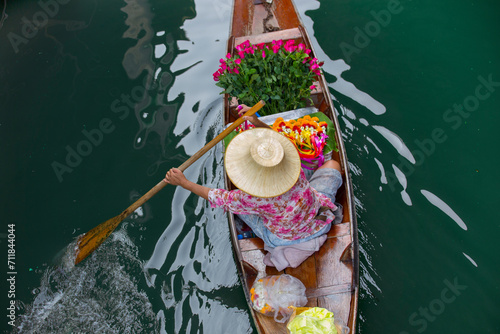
{"x": 262, "y": 162}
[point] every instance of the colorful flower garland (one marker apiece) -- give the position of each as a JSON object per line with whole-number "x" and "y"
{"x": 308, "y": 135}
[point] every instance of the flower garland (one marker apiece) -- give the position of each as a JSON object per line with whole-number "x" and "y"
{"x": 307, "y": 134}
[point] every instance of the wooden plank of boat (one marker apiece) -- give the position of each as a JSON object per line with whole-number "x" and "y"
{"x": 331, "y": 276}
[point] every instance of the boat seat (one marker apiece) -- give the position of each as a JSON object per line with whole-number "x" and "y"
{"x": 286, "y": 34}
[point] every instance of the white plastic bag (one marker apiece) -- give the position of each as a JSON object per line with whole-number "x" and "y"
{"x": 274, "y": 296}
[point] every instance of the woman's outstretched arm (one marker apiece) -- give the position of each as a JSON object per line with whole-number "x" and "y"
{"x": 176, "y": 177}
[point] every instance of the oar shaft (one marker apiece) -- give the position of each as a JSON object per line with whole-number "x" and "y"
{"x": 221, "y": 136}
{"x": 192, "y": 159}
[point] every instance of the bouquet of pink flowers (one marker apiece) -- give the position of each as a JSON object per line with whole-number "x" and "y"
{"x": 282, "y": 74}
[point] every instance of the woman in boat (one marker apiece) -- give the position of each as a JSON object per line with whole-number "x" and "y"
{"x": 273, "y": 198}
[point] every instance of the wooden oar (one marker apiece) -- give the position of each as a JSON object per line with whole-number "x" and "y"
{"x": 88, "y": 242}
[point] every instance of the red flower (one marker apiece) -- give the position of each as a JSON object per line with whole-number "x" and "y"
{"x": 245, "y": 44}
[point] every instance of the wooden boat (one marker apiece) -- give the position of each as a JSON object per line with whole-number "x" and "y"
{"x": 331, "y": 275}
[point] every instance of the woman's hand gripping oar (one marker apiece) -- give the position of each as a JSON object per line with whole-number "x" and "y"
{"x": 88, "y": 242}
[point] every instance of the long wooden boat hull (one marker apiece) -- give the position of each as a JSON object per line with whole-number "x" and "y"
{"x": 331, "y": 275}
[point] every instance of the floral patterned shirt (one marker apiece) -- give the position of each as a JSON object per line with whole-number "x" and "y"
{"x": 290, "y": 216}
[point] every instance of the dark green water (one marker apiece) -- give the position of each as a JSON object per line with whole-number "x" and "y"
{"x": 127, "y": 88}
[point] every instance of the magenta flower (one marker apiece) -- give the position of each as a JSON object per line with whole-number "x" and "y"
{"x": 237, "y": 61}
{"x": 312, "y": 87}
{"x": 243, "y": 45}
{"x": 263, "y": 53}
{"x": 289, "y": 45}
{"x": 228, "y": 55}
{"x": 217, "y": 74}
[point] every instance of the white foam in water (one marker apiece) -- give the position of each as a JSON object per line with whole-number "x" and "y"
{"x": 99, "y": 295}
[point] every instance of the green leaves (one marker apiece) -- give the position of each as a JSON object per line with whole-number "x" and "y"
{"x": 254, "y": 77}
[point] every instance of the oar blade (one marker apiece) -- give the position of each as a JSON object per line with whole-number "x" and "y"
{"x": 88, "y": 242}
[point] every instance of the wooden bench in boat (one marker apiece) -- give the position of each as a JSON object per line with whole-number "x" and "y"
{"x": 267, "y": 38}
